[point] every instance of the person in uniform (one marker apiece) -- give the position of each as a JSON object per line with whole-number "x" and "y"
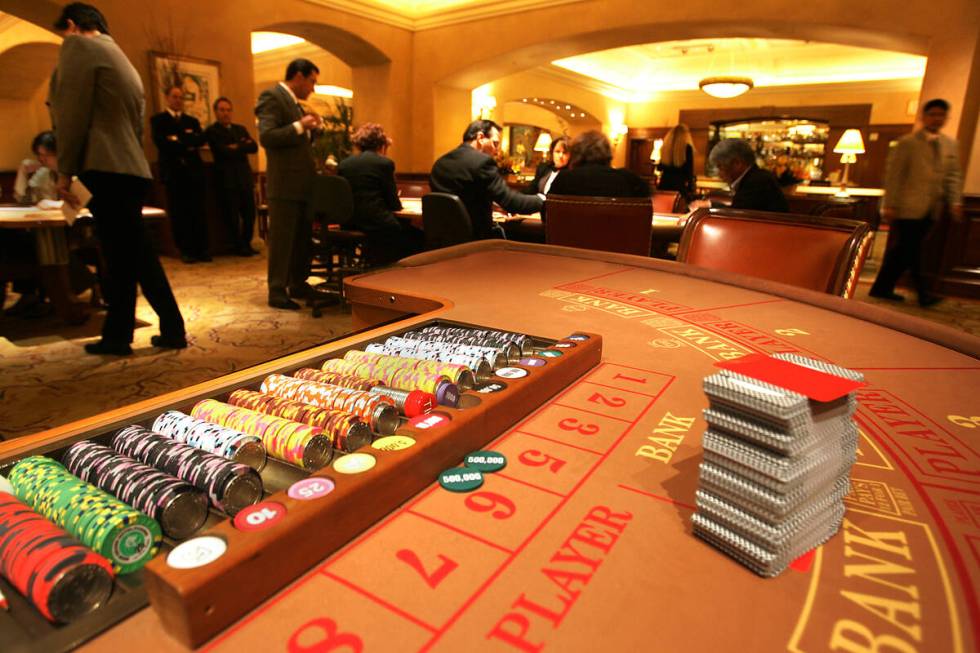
{"x": 230, "y": 146}
{"x": 178, "y": 138}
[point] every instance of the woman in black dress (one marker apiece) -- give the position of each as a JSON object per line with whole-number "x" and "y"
{"x": 677, "y": 162}
{"x": 548, "y": 169}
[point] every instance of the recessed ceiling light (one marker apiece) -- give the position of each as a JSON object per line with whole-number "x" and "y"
{"x": 568, "y": 106}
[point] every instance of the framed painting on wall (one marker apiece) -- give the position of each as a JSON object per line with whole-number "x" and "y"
{"x": 200, "y": 79}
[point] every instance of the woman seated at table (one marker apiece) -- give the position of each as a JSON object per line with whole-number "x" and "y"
{"x": 591, "y": 174}
{"x": 548, "y": 169}
{"x": 371, "y": 175}
{"x": 677, "y": 162}
{"x": 36, "y": 179}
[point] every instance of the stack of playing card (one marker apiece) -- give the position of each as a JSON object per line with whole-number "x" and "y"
{"x": 776, "y": 467}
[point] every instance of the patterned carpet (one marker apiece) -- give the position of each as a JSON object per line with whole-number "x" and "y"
{"x": 48, "y": 380}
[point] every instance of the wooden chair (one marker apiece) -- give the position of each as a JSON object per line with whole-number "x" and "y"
{"x": 667, "y": 201}
{"x": 609, "y": 224}
{"x": 819, "y": 253}
{"x": 445, "y": 221}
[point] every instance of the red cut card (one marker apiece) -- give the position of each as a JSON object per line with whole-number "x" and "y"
{"x": 808, "y": 382}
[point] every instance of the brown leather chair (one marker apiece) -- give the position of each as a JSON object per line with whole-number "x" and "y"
{"x": 608, "y": 224}
{"x": 667, "y": 201}
{"x": 823, "y": 254}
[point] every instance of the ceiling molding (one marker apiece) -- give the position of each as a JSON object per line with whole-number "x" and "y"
{"x": 408, "y": 16}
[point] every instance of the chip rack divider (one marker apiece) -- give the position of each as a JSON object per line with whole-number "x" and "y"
{"x": 196, "y": 604}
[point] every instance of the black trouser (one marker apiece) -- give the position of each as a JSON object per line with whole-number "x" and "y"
{"x": 185, "y": 207}
{"x": 117, "y": 206}
{"x": 238, "y": 204}
{"x": 904, "y": 253}
{"x": 290, "y": 236}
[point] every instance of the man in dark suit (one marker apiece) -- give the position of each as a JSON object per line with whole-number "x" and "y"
{"x": 755, "y": 189}
{"x": 371, "y": 175}
{"x": 591, "y": 173}
{"x": 286, "y": 133}
{"x": 230, "y": 146}
{"x": 178, "y": 138}
{"x": 470, "y": 172}
{"x": 96, "y": 100}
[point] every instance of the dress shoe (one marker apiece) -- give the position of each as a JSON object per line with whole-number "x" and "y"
{"x": 925, "y": 301}
{"x": 104, "y": 347}
{"x": 891, "y": 296}
{"x": 204, "y": 258}
{"x": 245, "y": 252}
{"x": 284, "y": 303}
{"x": 168, "y": 342}
{"x": 187, "y": 258}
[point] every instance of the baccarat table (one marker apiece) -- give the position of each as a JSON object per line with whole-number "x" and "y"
{"x": 583, "y": 542}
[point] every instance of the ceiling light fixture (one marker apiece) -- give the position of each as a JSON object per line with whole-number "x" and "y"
{"x": 725, "y": 87}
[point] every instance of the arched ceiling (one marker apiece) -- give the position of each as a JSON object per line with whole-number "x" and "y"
{"x": 349, "y": 47}
{"x": 539, "y": 53}
{"x": 26, "y": 67}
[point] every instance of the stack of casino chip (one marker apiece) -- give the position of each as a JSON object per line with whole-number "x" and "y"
{"x": 346, "y": 431}
{"x": 214, "y": 438}
{"x": 179, "y": 507}
{"x": 409, "y": 402}
{"x": 61, "y": 577}
{"x": 492, "y": 346}
{"x": 776, "y": 467}
{"x": 378, "y": 411}
{"x": 479, "y": 360}
{"x": 439, "y": 385}
{"x": 490, "y": 337}
{"x": 459, "y": 374}
{"x": 293, "y": 442}
{"x": 230, "y": 486}
{"x": 126, "y": 537}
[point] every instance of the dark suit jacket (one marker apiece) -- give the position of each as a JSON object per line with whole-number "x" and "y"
{"x": 231, "y": 165}
{"x": 473, "y": 176}
{"x": 372, "y": 181}
{"x": 596, "y": 180}
{"x": 290, "y": 170}
{"x": 178, "y": 141}
{"x": 541, "y": 175}
{"x": 759, "y": 191}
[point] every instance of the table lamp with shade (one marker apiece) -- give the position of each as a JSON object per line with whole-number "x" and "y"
{"x": 543, "y": 144}
{"x": 849, "y": 146}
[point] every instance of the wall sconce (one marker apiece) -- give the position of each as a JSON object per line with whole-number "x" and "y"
{"x": 658, "y": 146}
{"x": 849, "y": 146}
{"x": 618, "y": 132}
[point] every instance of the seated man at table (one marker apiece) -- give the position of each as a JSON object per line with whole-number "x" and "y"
{"x": 470, "y": 172}
{"x": 592, "y": 175}
{"x": 754, "y": 189}
{"x": 371, "y": 175}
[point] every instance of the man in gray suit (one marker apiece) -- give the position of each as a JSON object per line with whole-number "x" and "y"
{"x": 96, "y": 100}
{"x": 286, "y": 132}
{"x": 922, "y": 176}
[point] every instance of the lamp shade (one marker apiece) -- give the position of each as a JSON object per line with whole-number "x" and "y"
{"x": 725, "y": 87}
{"x": 850, "y": 143}
{"x": 543, "y": 143}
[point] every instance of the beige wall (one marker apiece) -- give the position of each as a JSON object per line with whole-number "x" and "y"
{"x": 418, "y": 83}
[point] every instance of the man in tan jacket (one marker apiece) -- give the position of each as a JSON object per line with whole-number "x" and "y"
{"x": 922, "y": 176}
{"x": 96, "y": 99}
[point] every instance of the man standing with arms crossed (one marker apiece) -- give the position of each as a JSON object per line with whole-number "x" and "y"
{"x": 286, "y": 132}
{"x": 923, "y": 174}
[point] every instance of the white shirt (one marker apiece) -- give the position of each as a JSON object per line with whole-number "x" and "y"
{"x": 298, "y": 126}
{"x": 175, "y": 114}
{"x": 550, "y": 180}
